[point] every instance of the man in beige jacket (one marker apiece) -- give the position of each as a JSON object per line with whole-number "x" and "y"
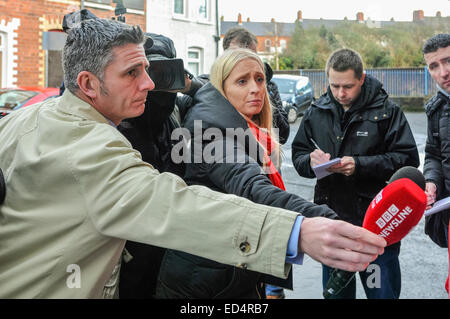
{"x": 76, "y": 190}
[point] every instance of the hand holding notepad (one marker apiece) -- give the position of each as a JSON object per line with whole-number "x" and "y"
{"x": 321, "y": 171}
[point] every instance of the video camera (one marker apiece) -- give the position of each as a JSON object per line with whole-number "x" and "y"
{"x": 166, "y": 71}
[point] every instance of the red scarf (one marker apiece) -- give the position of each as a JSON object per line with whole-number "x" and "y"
{"x": 268, "y": 145}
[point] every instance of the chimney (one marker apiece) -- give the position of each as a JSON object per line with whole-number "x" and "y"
{"x": 360, "y": 17}
{"x": 438, "y": 14}
{"x": 248, "y": 19}
{"x": 418, "y": 15}
{"x": 239, "y": 18}
{"x": 272, "y": 20}
{"x": 299, "y": 15}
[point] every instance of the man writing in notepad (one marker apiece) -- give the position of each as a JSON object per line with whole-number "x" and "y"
{"x": 356, "y": 121}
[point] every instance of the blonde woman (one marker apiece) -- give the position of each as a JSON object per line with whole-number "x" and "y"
{"x": 233, "y": 148}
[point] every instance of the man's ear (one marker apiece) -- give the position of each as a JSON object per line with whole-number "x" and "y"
{"x": 363, "y": 78}
{"x": 89, "y": 84}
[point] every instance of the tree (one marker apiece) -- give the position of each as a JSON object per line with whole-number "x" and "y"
{"x": 396, "y": 45}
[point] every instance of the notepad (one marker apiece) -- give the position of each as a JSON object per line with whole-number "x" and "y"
{"x": 440, "y": 205}
{"x": 320, "y": 170}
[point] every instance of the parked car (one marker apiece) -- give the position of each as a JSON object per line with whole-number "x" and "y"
{"x": 12, "y": 99}
{"x": 296, "y": 93}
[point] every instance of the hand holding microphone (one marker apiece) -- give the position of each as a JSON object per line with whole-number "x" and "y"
{"x": 395, "y": 210}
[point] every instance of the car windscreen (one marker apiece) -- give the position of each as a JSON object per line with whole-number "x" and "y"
{"x": 12, "y": 98}
{"x": 285, "y": 86}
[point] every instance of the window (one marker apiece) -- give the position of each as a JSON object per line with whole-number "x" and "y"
{"x": 195, "y": 10}
{"x": 283, "y": 44}
{"x": 179, "y": 7}
{"x": 268, "y": 44}
{"x": 195, "y": 61}
{"x": 53, "y": 43}
{"x": 199, "y": 9}
{"x": 11, "y": 99}
{"x": 129, "y": 4}
{"x": 202, "y": 9}
{"x": 107, "y": 2}
{"x": 134, "y": 4}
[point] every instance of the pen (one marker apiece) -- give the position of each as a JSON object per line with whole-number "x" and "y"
{"x": 315, "y": 144}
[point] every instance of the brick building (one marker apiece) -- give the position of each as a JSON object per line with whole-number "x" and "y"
{"x": 273, "y": 37}
{"x": 31, "y": 37}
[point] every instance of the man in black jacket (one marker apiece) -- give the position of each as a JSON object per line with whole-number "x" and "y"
{"x": 436, "y": 52}
{"x": 356, "y": 121}
{"x": 150, "y": 134}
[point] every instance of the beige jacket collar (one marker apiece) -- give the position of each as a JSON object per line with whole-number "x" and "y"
{"x": 73, "y": 105}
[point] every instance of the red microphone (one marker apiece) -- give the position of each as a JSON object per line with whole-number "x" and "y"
{"x": 394, "y": 211}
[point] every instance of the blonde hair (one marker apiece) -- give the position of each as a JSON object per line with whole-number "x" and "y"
{"x": 220, "y": 71}
{"x": 222, "y": 68}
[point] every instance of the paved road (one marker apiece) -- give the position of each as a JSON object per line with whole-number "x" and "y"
{"x": 424, "y": 265}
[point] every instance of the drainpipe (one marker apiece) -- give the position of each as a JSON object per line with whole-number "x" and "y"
{"x": 217, "y": 36}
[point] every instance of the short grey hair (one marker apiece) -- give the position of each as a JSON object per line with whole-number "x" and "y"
{"x": 342, "y": 60}
{"x": 89, "y": 47}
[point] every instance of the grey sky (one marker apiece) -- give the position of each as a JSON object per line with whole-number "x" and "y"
{"x": 286, "y": 10}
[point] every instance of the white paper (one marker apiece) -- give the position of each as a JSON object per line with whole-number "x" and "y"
{"x": 321, "y": 169}
{"x": 440, "y": 205}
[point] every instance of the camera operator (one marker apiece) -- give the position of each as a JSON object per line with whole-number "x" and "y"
{"x": 150, "y": 134}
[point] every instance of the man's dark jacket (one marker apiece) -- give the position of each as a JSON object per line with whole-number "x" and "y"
{"x": 280, "y": 117}
{"x": 150, "y": 134}
{"x": 437, "y": 163}
{"x": 186, "y": 276}
{"x": 374, "y": 131}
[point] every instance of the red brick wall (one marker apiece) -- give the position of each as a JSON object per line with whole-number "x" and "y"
{"x": 262, "y": 42}
{"x": 37, "y": 17}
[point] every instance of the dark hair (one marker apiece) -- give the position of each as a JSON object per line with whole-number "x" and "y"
{"x": 345, "y": 59}
{"x": 436, "y": 42}
{"x": 241, "y": 35}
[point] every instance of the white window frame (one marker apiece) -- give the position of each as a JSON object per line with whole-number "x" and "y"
{"x": 185, "y": 10}
{"x": 196, "y": 13}
{"x": 9, "y": 63}
{"x": 198, "y": 60}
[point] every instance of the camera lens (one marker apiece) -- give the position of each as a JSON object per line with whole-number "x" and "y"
{"x": 162, "y": 74}
{"x": 167, "y": 74}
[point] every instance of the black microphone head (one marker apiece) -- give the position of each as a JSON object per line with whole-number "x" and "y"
{"x": 409, "y": 172}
